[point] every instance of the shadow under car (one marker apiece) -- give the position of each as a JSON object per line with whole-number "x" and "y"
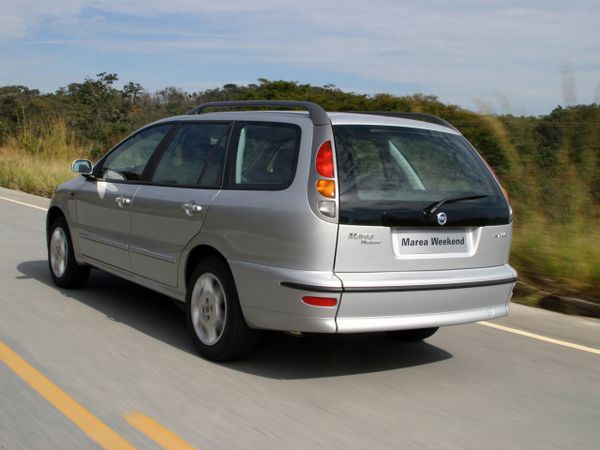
{"x": 277, "y": 355}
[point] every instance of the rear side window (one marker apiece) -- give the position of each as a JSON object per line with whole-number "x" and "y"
{"x": 265, "y": 155}
{"x": 194, "y": 156}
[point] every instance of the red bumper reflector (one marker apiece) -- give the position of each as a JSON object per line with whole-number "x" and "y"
{"x": 320, "y": 301}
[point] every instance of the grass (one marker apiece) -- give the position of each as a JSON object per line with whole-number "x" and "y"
{"x": 556, "y": 235}
{"x": 37, "y": 162}
{"x": 556, "y": 239}
{"x": 562, "y": 258}
{"x": 32, "y": 173}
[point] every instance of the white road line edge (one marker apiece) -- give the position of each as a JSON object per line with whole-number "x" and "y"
{"x": 539, "y": 337}
{"x": 24, "y": 204}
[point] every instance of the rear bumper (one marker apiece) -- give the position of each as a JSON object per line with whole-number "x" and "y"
{"x": 421, "y": 309}
{"x": 395, "y": 301}
{"x": 271, "y": 298}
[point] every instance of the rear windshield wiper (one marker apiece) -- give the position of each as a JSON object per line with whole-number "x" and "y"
{"x": 435, "y": 206}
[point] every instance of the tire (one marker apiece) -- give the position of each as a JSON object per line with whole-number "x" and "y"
{"x": 65, "y": 271}
{"x": 412, "y": 335}
{"x": 214, "y": 316}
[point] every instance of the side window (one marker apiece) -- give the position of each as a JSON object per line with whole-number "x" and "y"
{"x": 266, "y": 155}
{"x": 127, "y": 162}
{"x": 194, "y": 156}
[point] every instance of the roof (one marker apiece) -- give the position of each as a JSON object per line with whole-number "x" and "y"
{"x": 374, "y": 119}
{"x": 337, "y": 118}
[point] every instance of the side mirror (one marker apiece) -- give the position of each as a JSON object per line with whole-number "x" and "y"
{"x": 83, "y": 166}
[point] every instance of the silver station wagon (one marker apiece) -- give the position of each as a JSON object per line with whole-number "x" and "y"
{"x": 299, "y": 221}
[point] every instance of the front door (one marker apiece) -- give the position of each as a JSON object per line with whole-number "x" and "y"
{"x": 104, "y": 203}
{"x": 104, "y": 221}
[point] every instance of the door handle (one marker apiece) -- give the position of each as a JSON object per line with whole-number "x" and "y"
{"x": 122, "y": 201}
{"x": 191, "y": 208}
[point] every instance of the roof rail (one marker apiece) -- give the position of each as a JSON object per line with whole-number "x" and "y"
{"x": 411, "y": 115}
{"x": 316, "y": 113}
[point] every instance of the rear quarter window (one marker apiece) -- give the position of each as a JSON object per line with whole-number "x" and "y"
{"x": 264, "y": 155}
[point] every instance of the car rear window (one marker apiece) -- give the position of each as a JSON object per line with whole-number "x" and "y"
{"x": 383, "y": 168}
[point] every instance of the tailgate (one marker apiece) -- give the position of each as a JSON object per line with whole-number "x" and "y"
{"x": 416, "y": 200}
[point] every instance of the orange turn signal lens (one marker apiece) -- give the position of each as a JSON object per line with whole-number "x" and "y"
{"x": 326, "y": 188}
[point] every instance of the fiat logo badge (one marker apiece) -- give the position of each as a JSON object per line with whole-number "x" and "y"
{"x": 442, "y": 218}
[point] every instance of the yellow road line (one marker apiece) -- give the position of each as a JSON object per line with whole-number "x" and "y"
{"x": 23, "y": 203}
{"x": 155, "y": 431}
{"x": 89, "y": 424}
{"x": 539, "y": 337}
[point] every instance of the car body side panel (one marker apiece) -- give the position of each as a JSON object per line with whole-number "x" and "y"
{"x": 134, "y": 278}
{"x": 276, "y": 229}
{"x": 266, "y": 304}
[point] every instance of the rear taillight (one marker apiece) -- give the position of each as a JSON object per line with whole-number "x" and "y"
{"x": 326, "y": 185}
{"x": 325, "y": 160}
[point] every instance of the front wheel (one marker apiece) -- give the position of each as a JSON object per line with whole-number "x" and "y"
{"x": 65, "y": 271}
{"x": 214, "y": 315}
{"x": 413, "y": 335}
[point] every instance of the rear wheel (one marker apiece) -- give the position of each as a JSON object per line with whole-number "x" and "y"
{"x": 214, "y": 315}
{"x": 412, "y": 335}
{"x": 65, "y": 271}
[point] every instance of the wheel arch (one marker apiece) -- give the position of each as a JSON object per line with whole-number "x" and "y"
{"x": 196, "y": 255}
{"x": 53, "y": 213}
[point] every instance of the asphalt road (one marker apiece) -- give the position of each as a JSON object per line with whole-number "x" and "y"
{"x": 115, "y": 348}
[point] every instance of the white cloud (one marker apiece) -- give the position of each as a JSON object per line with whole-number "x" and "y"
{"x": 459, "y": 50}
{"x": 20, "y": 17}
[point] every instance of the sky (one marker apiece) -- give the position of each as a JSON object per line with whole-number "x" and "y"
{"x": 508, "y": 56}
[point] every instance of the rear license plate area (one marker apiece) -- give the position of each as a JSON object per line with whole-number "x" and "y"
{"x": 450, "y": 241}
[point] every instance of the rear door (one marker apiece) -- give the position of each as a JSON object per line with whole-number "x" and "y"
{"x": 170, "y": 210}
{"x": 416, "y": 200}
{"x": 104, "y": 202}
